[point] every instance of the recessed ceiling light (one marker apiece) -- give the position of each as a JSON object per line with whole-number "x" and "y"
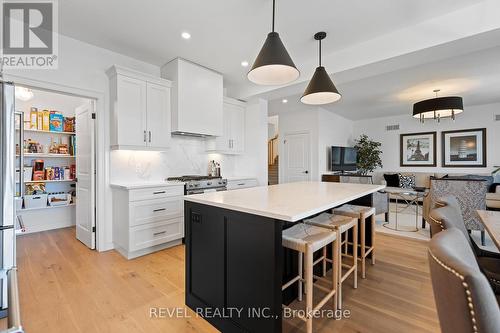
{"x": 244, "y": 63}
{"x": 284, "y": 100}
{"x": 186, "y": 35}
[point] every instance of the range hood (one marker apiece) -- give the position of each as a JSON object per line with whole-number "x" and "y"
{"x": 197, "y": 98}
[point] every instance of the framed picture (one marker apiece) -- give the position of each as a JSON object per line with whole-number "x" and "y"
{"x": 418, "y": 149}
{"x": 464, "y": 148}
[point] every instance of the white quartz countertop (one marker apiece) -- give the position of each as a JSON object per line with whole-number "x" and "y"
{"x": 289, "y": 202}
{"x": 138, "y": 185}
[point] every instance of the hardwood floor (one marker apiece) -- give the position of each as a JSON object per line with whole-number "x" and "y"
{"x": 64, "y": 287}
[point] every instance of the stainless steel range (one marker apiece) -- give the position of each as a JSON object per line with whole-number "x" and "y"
{"x": 201, "y": 184}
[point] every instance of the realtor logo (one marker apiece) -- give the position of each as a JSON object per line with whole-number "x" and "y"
{"x": 29, "y": 34}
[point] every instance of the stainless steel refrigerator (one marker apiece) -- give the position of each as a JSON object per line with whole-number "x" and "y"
{"x": 9, "y": 297}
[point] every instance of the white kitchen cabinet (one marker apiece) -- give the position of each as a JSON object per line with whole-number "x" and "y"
{"x": 235, "y": 183}
{"x": 232, "y": 141}
{"x": 140, "y": 110}
{"x": 197, "y": 95}
{"x": 158, "y": 121}
{"x": 147, "y": 219}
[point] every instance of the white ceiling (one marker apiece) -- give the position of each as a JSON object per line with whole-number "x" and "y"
{"x": 226, "y": 32}
{"x": 465, "y": 68}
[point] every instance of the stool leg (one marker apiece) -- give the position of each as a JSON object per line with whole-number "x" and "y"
{"x": 355, "y": 254}
{"x": 346, "y": 245}
{"x": 335, "y": 268}
{"x": 309, "y": 286}
{"x": 374, "y": 223}
{"x": 363, "y": 249}
{"x": 324, "y": 261}
{"x": 301, "y": 274}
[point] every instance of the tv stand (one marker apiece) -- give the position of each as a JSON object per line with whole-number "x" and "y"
{"x": 336, "y": 177}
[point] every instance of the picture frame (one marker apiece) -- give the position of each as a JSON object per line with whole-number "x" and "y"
{"x": 464, "y": 148}
{"x": 418, "y": 149}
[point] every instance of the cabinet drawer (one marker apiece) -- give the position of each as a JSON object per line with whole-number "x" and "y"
{"x": 245, "y": 183}
{"x": 149, "y": 211}
{"x": 156, "y": 192}
{"x": 149, "y": 235}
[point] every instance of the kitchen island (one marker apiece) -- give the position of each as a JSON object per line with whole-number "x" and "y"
{"x": 235, "y": 264}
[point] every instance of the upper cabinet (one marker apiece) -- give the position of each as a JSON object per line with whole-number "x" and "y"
{"x": 232, "y": 140}
{"x": 197, "y": 98}
{"x": 140, "y": 110}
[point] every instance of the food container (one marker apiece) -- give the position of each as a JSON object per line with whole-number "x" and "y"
{"x": 59, "y": 199}
{"x": 56, "y": 122}
{"x": 35, "y": 201}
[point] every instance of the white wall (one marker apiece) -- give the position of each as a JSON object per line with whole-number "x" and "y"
{"x": 326, "y": 129}
{"x": 334, "y": 130}
{"x": 473, "y": 117}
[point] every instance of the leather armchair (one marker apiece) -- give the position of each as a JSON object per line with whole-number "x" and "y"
{"x": 464, "y": 301}
{"x": 448, "y": 216}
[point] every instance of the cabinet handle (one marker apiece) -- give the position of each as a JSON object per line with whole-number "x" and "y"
{"x": 159, "y": 192}
{"x": 159, "y": 210}
{"x": 240, "y": 184}
{"x": 159, "y": 233}
{"x": 149, "y": 136}
{"x": 144, "y": 135}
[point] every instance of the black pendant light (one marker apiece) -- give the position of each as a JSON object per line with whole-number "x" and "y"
{"x": 439, "y": 107}
{"x": 273, "y": 65}
{"x": 320, "y": 89}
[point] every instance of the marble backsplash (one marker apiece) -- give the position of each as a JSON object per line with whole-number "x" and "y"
{"x": 186, "y": 156}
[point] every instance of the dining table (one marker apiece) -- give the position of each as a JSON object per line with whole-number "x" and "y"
{"x": 491, "y": 221}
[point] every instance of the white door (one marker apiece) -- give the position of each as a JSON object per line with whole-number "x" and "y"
{"x": 158, "y": 115}
{"x": 85, "y": 174}
{"x": 131, "y": 117}
{"x": 296, "y": 158}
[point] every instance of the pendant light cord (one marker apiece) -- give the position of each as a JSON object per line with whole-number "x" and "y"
{"x": 274, "y": 6}
{"x": 320, "y": 53}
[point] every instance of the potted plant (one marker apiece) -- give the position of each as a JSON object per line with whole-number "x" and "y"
{"x": 368, "y": 154}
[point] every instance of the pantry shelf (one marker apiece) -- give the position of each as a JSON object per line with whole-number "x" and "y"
{"x": 48, "y": 181}
{"x": 46, "y": 207}
{"x": 48, "y": 132}
{"x": 48, "y": 155}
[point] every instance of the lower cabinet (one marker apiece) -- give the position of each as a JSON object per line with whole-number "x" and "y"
{"x": 147, "y": 219}
{"x": 233, "y": 184}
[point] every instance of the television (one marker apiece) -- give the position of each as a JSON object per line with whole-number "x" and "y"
{"x": 343, "y": 158}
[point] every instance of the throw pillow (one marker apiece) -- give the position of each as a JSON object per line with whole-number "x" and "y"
{"x": 406, "y": 181}
{"x": 392, "y": 180}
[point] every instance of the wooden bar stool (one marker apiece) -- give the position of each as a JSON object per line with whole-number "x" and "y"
{"x": 307, "y": 239}
{"x": 361, "y": 213}
{"x": 341, "y": 225}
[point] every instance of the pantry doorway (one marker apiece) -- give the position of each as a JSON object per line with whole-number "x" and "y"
{"x": 56, "y": 162}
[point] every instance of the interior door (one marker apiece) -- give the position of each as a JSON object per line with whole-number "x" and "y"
{"x": 158, "y": 115}
{"x": 296, "y": 157}
{"x": 85, "y": 174}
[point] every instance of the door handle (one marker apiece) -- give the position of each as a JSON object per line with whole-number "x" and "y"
{"x": 145, "y": 136}
{"x": 159, "y": 233}
{"x": 159, "y": 210}
{"x": 159, "y": 192}
{"x": 149, "y": 136}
